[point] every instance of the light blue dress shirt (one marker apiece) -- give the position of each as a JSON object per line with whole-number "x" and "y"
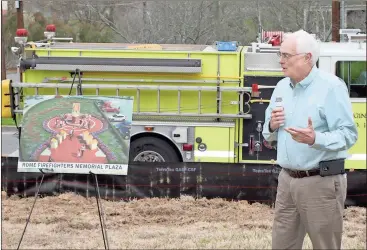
{"x": 323, "y": 97}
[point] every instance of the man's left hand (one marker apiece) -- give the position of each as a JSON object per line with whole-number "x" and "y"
{"x": 303, "y": 135}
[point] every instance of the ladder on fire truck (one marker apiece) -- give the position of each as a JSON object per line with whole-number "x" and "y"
{"x": 243, "y": 93}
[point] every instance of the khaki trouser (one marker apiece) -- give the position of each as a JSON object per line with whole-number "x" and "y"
{"x": 312, "y": 205}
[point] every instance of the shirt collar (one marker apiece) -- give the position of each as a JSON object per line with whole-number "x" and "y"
{"x": 307, "y": 81}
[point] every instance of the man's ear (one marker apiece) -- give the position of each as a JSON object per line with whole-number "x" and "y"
{"x": 308, "y": 58}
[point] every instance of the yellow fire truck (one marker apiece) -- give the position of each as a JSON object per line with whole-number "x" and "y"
{"x": 192, "y": 103}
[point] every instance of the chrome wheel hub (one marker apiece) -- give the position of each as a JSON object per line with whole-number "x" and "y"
{"x": 149, "y": 156}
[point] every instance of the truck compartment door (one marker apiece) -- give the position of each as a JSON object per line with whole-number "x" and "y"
{"x": 214, "y": 144}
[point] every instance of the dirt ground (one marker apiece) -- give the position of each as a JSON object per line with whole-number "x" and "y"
{"x": 69, "y": 221}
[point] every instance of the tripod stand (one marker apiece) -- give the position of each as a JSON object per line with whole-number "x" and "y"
{"x": 99, "y": 205}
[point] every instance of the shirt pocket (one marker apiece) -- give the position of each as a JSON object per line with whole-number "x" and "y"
{"x": 317, "y": 116}
{"x": 314, "y": 111}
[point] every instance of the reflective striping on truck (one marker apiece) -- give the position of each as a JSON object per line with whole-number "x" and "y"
{"x": 357, "y": 157}
{"x": 215, "y": 154}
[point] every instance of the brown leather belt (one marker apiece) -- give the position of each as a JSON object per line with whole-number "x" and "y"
{"x": 302, "y": 174}
{"x": 329, "y": 167}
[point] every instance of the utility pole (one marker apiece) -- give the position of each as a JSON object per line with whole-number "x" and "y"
{"x": 19, "y": 7}
{"x": 4, "y": 8}
{"x": 20, "y": 25}
{"x": 335, "y": 20}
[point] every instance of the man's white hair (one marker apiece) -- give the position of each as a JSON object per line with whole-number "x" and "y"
{"x": 305, "y": 43}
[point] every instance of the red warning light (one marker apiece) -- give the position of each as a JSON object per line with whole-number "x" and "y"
{"x": 187, "y": 147}
{"x": 51, "y": 28}
{"x": 22, "y": 32}
{"x": 255, "y": 87}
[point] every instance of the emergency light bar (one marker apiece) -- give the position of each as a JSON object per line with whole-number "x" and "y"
{"x": 227, "y": 46}
{"x": 113, "y": 64}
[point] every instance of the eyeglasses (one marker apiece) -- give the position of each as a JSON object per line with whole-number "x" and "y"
{"x": 287, "y": 55}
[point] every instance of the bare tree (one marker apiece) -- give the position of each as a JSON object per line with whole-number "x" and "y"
{"x": 201, "y": 21}
{"x": 356, "y": 19}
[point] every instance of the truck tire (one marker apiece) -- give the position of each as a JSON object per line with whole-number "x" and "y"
{"x": 151, "y": 149}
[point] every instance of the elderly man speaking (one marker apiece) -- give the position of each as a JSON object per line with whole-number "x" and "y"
{"x": 313, "y": 128}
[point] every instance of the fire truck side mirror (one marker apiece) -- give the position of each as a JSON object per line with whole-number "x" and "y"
{"x": 7, "y": 99}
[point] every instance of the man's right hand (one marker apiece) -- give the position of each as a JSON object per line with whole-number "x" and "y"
{"x": 277, "y": 118}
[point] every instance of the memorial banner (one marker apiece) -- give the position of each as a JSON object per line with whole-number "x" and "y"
{"x": 76, "y": 134}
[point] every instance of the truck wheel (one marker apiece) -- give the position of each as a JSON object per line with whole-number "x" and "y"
{"x": 151, "y": 149}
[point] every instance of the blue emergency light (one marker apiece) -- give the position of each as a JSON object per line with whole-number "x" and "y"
{"x": 226, "y": 46}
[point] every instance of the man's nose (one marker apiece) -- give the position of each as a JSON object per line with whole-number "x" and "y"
{"x": 281, "y": 60}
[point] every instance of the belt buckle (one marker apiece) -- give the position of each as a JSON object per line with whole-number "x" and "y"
{"x": 307, "y": 173}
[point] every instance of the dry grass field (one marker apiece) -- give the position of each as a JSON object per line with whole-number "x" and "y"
{"x": 69, "y": 221}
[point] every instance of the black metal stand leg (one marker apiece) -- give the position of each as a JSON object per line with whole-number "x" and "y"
{"x": 19, "y": 132}
{"x": 30, "y": 213}
{"x": 100, "y": 213}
